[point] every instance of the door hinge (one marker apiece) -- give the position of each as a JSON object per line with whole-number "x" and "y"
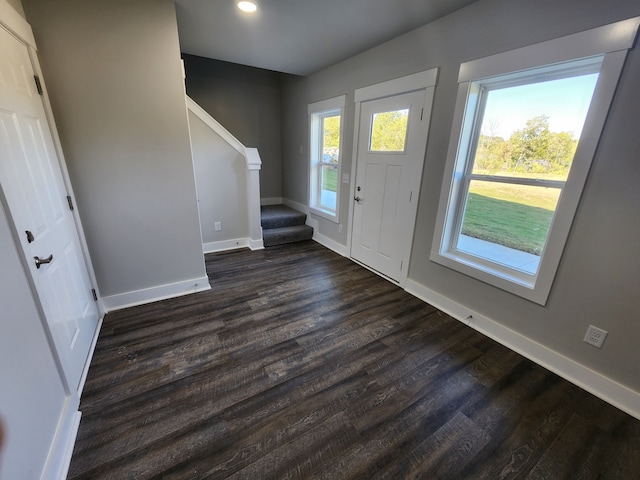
{"x": 38, "y": 85}
{"x": 401, "y": 263}
{"x": 70, "y": 202}
{"x": 95, "y": 295}
{"x": 410, "y": 195}
{"x": 421, "y": 114}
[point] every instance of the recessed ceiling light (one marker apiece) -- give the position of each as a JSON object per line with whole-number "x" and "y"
{"x": 249, "y": 7}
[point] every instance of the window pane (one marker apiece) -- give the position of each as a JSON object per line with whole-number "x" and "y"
{"x": 329, "y": 188}
{"x": 330, "y": 139}
{"x": 532, "y": 130}
{"x": 507, "y": 223}
{"x": 389, "y": 131}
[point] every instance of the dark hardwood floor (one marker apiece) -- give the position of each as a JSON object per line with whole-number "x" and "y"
{"x": 300, "y": 364}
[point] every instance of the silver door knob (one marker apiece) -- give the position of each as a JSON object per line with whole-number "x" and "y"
{"x": 40, "y": 261}
{"x": 357, "y": 199}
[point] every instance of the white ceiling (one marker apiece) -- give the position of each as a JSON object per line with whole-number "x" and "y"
{"x": 299, "y": 36}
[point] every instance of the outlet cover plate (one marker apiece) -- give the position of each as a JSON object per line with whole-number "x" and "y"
{"x": 595, "y": 336}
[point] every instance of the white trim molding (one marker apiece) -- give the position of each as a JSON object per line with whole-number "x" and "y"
{"x": 233, "y": 244}
{"x": 422, "y": 81}
{"x": 296, "y": 206}
{"x": 596, "y": 383}
{"x": 214, "y": 125}
{"x": 596, "y": 41}
{"x": 324, "y": 240}
{"x": 253, "y": 163}
{"x": 59, "y": 459}
{"x": 153, "y": 294}
{"x": 330, "y": 243}
{"x": 408, "y": 83}
{"x": 17, "y": 25}
{"x": 600, "y": 50}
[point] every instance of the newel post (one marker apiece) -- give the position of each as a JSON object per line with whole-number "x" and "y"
{"x": 253, "y": 197}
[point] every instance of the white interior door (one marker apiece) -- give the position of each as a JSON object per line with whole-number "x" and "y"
{"x": 390, "y": 153}
{"x": 34, "y": 191}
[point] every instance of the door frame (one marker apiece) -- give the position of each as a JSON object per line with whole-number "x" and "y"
{"x": 425, "y": 80}
{"x": 20, "y": 28}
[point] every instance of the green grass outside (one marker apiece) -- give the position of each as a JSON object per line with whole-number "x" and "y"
{"x": 515, "y": 216}
{"x": 514, "y": 225}
{"x": 330, "y": 179}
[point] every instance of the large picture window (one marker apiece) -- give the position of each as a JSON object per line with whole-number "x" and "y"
{"x": 325, "y": 128}
{"x": 523, "y": 140}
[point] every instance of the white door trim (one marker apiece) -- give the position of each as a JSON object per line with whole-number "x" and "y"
{"x": 425, "y": 80}
{"x": 21, "y": 29}
{"x": 408, "y": 83}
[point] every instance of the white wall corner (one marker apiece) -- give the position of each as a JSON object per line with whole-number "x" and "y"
{"x": 599, "y": 385}
{"x": 153, "y": 294}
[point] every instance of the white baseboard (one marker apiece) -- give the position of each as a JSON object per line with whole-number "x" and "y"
{"x": 59, "y": 458}
{"x": 256, "y": 244}
{"x": 233, "y": 244}
{"x": 224, "y": 245}
{"x": 271, "y": 201}
{"x": 295, "y": 205}
{"x": 330, "y": 244}
{"x": 87, "y": 363}
{"x": 601, "y": 386}
{"x": 153, "y": 294}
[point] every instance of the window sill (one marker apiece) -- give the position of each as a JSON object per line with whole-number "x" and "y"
{"x": 326, "y": 214}
{"x": 519, "y": 283}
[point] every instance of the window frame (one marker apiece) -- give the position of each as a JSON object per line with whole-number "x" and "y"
{"x": 610, "y": 43}
{"x": 317, "y": 112}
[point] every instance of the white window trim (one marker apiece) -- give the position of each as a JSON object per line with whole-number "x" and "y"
{"x": 611, "y": 41}
{"x": 334, "y": 106}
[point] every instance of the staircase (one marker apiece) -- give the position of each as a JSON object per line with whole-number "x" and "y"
{"x": 281, "y": 224}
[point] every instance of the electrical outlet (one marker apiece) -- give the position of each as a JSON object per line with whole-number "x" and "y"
{"x": 217, "y": 226}
{"x": 595, "y": 336}
{"x": 339, "y": 228}
{"x": 345, "y": 178}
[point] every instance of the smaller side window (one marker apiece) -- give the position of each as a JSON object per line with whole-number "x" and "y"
{"x": 325, "y": 140}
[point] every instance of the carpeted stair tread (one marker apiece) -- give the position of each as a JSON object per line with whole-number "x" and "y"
{"x": 278, "y": 216}
{"x": 282, "y": 235}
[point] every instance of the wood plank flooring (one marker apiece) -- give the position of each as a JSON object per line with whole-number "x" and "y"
{"x": 300, "y": 364}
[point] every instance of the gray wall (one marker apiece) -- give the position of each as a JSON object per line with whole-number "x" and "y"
{"x": 599, "y": 276}
{"x": 115, "y": 81}
{"x": 246, "y": 101}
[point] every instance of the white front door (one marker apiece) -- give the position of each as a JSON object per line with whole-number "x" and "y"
{"x": 33, "y": 188}
{"x": 390, "y": 153}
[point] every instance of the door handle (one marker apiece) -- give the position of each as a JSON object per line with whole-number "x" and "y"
{"x": 40, "y": 261}
{"x": 357, "y": 199}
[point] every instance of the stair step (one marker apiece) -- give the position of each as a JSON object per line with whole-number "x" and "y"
{"x": 278, "y": 216}
{"x": 282, "y": 235}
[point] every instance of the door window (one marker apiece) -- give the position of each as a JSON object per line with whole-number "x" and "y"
{"x": 389, "y": 131}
